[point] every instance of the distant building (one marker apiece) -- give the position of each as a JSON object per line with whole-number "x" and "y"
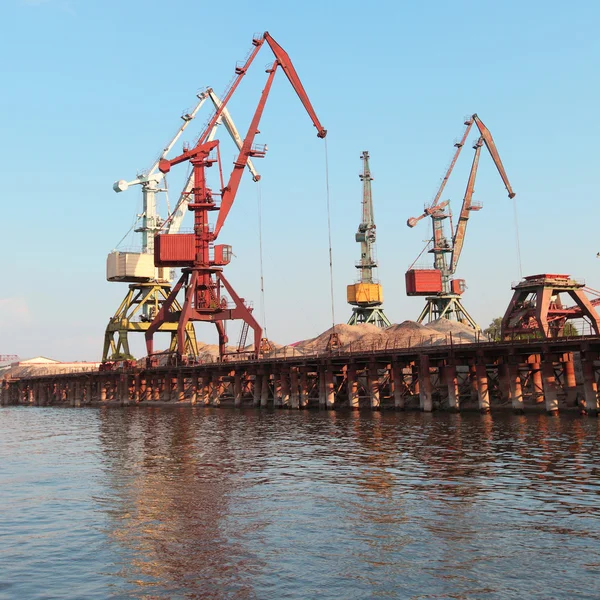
{"x": 41, "y": 365}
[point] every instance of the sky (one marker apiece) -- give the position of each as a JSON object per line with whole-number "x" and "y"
{"x": 93, "y": 90}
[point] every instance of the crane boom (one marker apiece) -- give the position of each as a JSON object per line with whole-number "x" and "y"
{"x": 240, "y": 72}
{"x": 283, "y": 60}
{"x": 230, "y": 190}
{"x": 459, "y": 147}
{"x": 491, "y": 146}
{"x": 232, "y": 130}
{"x": 465, "y": 211}
{"x": 173, "y": 223}
{"x": 288, "y": 68}
{"x": 202, "y": 96}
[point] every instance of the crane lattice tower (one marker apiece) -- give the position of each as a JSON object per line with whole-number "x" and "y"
{"x": 366, "y": 295}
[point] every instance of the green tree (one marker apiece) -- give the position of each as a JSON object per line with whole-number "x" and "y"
{"x": 492, "y": 331}
{"x": 570, "y": 330}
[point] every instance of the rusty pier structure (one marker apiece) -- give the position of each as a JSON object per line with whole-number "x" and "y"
{"x": 548, "y": 375}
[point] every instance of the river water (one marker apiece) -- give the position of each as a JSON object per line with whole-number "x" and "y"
{"x": 226, "y": 503}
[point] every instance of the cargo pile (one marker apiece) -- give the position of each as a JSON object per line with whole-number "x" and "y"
{"x": 369, "y": 337}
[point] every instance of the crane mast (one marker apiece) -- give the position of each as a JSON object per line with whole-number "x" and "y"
{"x": 366, "y": 296}
{"x": 442, "y": 291}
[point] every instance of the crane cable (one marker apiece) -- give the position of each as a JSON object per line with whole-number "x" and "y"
{"x": 329, "y": 235}
{"x": 517, "y": 239}
{"x": 263, "y": 316}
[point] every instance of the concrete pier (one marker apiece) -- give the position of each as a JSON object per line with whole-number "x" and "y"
{"x": 550, "y": 388}
{"x": 452, "y": 385}
{"x": 425, "y": 393}
{"x": 590, "y": 387}
{"x": 516, "y": 392}
{"x": 352, "y": 388}
{"x": 483, "y": 392}
{"x": 397, "y": 381}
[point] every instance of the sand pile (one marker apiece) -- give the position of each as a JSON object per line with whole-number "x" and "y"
{"x": 363, "y": 335}
{"x": 410, "y": 333}
{"x": 460, "y": 333}
{"x": 367, "y": 337}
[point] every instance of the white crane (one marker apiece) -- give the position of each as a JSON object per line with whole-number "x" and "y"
{"x": 150, "y": 182}
{"x": 151, "y": 286}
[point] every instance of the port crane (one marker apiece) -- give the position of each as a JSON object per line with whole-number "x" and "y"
{"x": 150, "y": 286}
{"x": 443, "y": 292}
{"x": 202, "y": 261}
{"x": 366, "y": 295}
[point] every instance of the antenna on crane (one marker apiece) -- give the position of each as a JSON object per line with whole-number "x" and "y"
{"x": 366, "y": 296}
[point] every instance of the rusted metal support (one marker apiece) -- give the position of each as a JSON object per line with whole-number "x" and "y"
{"x": 516, "y": 391}
{"x": 277, "y": 395}
{"x": 257, "y": 389}
{"x": 171, "y": 395}
{"x": 352, "y": 387}
{"x": 397, "y": 381}
{"x": 237, "y": 389}
{"x": 483, "y": 392}
{"x": 285, "y": 388}
{"x": 590, "y": 386}
{"x": 329, "y": 389}
{"x": 304, "y": 391}
{"x": 504, "y": 381}
{"x": 264, "y": 392}
{"x": 216, "y": 390}
{"x": 294, "y": 391}
{"x": 137, "y": 388}
{"x": 537, "y": 383}
{"x": 103, "y": 390}
{"x": 194, "y": 389}
{"x": 425, "y": 393}
{"x": 180, "y": 387}
{"x": 373, "y": 379}
{"x": 415, "y": 381}
{"x": 550, "y": 387}
{"x": 452, "y": 384}
{"x": 473, "y": 382}
{"x": 570, "y": 381}
{"x": 206, "y": 389}
{"x": 164, "y": 385}
{"x": 322, "y": 386}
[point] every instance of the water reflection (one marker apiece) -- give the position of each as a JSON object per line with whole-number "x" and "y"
{"x": 172, "y": 474}
{"x": 225, "y": 503}
{"x": 220, "y": 503}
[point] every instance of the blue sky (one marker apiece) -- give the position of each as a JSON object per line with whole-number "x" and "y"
{"x": 94, "y": 89}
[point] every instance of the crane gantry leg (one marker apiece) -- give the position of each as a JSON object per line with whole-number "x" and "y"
{"x": 446, "y": 307}
{"x": 134, "y": 315}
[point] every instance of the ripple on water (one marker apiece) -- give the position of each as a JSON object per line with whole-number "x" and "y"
{"x": 204, "y": 503}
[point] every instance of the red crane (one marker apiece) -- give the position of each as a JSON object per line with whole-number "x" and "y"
{"x": 443, "y": 293}
{"x": 202, "y": 261}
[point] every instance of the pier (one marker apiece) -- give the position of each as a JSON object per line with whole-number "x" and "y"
{"x": 535, "y": 374}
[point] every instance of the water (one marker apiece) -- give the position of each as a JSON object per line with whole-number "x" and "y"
{"x": 224, "y": 503}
